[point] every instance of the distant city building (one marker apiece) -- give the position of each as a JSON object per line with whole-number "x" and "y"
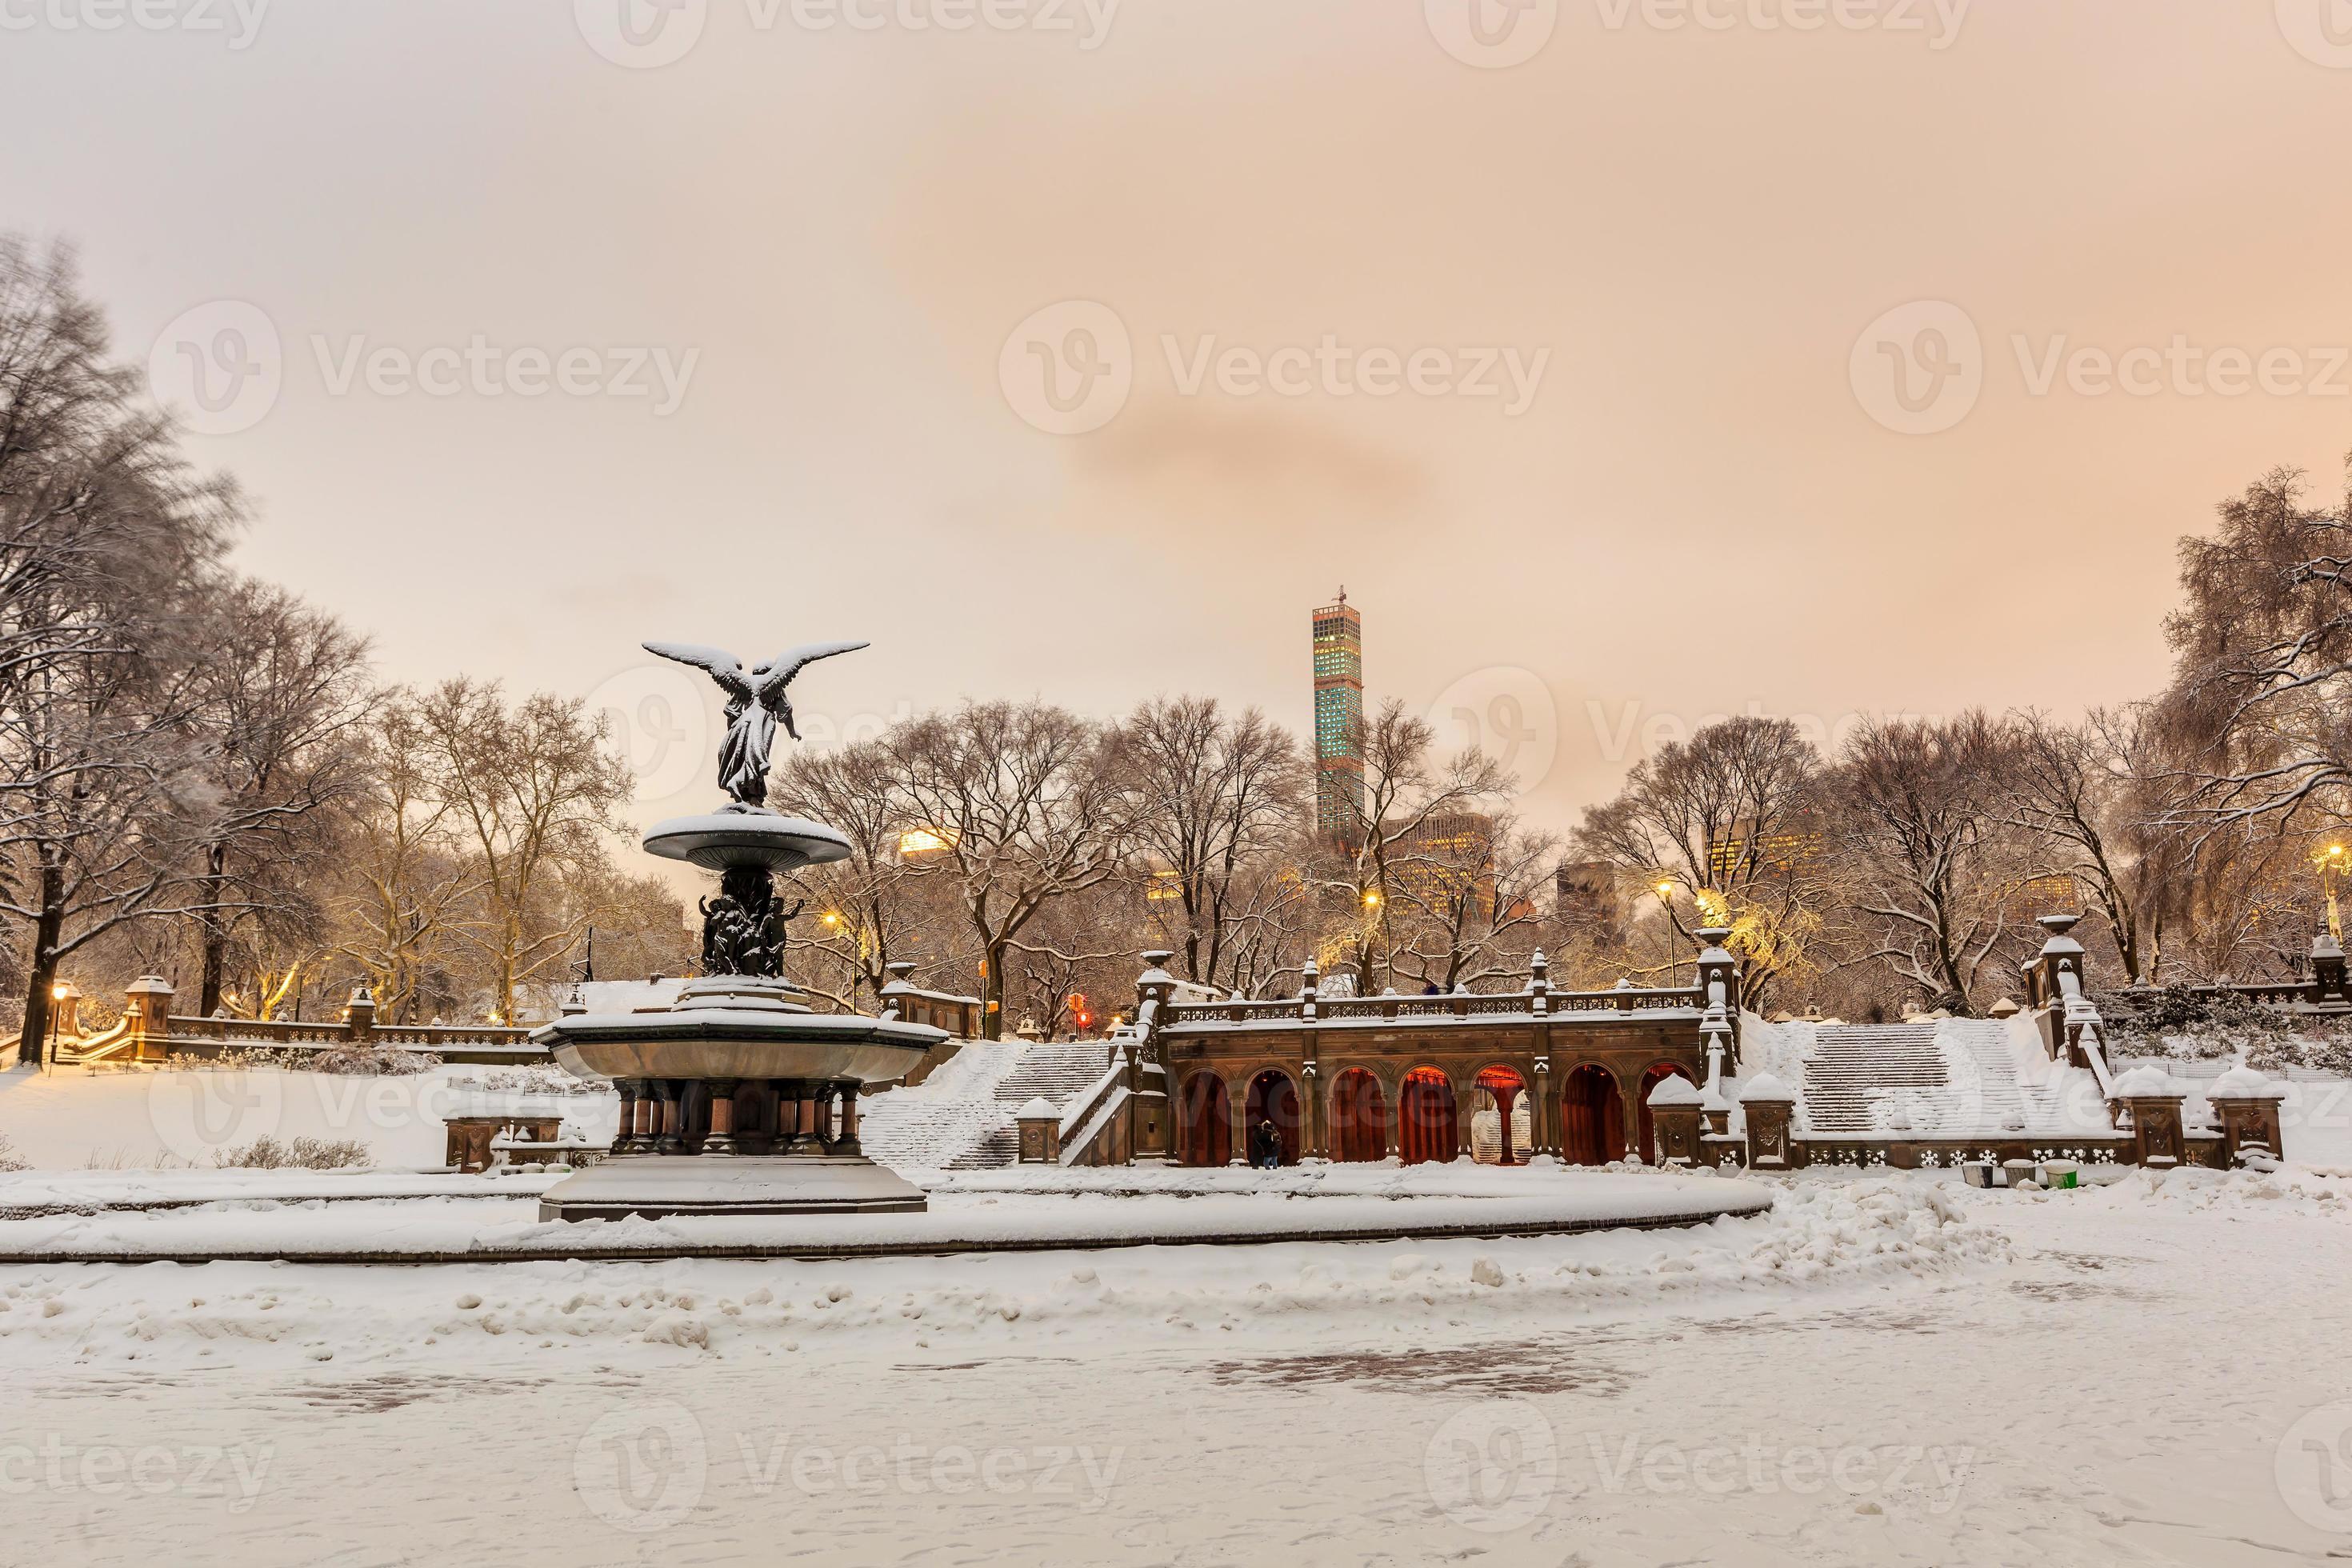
{"x": 1338, "y": 719}
{"x": 1588, "y": 905}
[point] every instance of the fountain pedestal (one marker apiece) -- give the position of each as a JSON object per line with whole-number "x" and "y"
{"x": 738, "y": 1098}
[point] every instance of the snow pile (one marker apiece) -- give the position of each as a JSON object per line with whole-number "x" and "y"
{"x": 1821, "y": 1235}
{"x": 2291, "y": 1191}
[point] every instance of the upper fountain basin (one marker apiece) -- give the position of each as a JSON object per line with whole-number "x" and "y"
{"x": 745, "y": 837}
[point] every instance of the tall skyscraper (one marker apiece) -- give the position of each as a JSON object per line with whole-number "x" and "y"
{"x": 1339, "y": 712}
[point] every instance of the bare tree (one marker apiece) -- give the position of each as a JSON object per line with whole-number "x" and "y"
{"x": 1477, "y": 906}
{"x": 278, "y": 687}
{"x": 872, "y": 908}
{"x": 1417, "y": 810}
{"x": 104, "y": 534}
{"x": 1218, "y": 796}
{"x": 2262, "y": 698}
{"x": 402, "y": 882}
{"x": 1922, "y": 827}
{"x": 1014, "y": 805}
{"x": 534, "y": 791}
{"x": 1734, "y": 816}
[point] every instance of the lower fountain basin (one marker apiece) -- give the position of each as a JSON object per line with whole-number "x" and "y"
{"x": 740, "y": 1043}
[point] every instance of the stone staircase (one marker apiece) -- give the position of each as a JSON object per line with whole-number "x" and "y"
{"x": 963, "y": 1119}
{"x": 1955, "y": 1076}
{"x": 1854, "y": 1070}
{"x": 1057, "y": 1072}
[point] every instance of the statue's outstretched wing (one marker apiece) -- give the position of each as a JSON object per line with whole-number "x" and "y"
{"x": 778, "y": 673}
{"x": 724, "y": 666}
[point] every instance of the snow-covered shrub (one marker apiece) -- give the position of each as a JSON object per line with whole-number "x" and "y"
{"x": 9, "y": 1159}
{"x": 266, "y": 1153}
{"x": 341, "y": 1061}
{"x": 529, "y": 1080}
{"x": 2178, "y": 1022}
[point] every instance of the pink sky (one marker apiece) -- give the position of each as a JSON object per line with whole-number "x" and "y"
{"x": 1689, "y": 228}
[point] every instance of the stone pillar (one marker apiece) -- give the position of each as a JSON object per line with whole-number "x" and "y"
{"x": 846, "y": 1140}
{"x": 1771, "y": 1111}
{"x": 2150, "y": 1099}
{"x": 631, "y": 1092}
{"x": 669, "y": 1107}
{"x": 1150, "y": 1110}
{"x": 1718, "y": 977}
{"x": 801, "y": 1100}
{"x": 1041, "y": 1133}
{"x": 147, "y": 1005}
{"x": 720, "y": 1139}
{"x": 2327, "y": 969}
{"x": 1315, "y": 1106}
{"x": 1544, "y": 1120}
{"x": 360, "y": 1014}
{"x": 1237, "y": 1111}
{"x": 1676, "y": 1116}
{"x": 2248, "y": 1104}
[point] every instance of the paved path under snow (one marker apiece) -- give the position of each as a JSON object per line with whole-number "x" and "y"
{"x": 1879, "y": 1373}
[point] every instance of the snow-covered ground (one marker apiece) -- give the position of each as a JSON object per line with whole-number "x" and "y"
{"x": 1883, "y": 1370}
{"x": 77, "y": 1121}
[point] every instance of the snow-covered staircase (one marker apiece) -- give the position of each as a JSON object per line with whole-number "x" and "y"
{"x": 1855, "y": 1069}
{"x": 962, "y": 1118}
{"x": 1052, "y": 1072}
{"x": 1958, "y": 1075}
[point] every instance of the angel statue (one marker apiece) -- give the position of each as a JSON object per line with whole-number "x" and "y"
{"x": 756, "y": 704}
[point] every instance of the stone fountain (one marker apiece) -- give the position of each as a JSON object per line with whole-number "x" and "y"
{"x": 739, "y": 1098}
